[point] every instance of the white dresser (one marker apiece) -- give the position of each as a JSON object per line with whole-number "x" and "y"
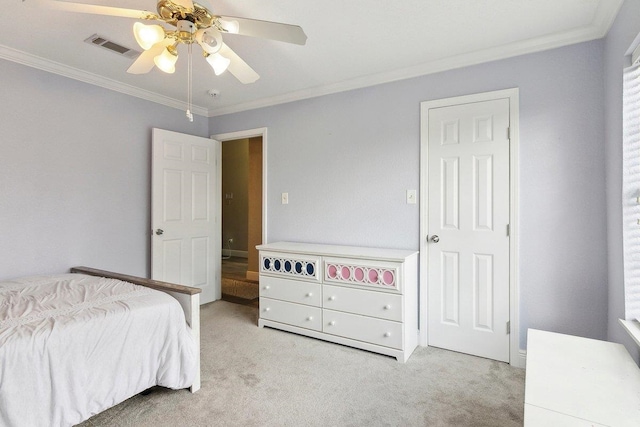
{"x": 360, "y": 297}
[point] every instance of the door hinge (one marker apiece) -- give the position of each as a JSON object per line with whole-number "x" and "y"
{"x": 508, "y": 230}
{"x": 508, "y": 327}
{"x": 508, "y": 133}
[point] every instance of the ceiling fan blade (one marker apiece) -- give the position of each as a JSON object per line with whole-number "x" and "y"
{"x": 145, "y": 63}
{"x": 93, "y": 9}
{"x": 240, "y": 69}
{"x": 269, "y": 30}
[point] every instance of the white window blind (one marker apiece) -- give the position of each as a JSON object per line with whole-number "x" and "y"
{"x": 631, "y": 191}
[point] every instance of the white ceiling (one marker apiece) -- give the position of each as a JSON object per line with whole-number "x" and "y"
{"x": 350, "y": 44}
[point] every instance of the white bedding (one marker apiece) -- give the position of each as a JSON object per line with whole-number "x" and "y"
{"x": 74, "y": 345}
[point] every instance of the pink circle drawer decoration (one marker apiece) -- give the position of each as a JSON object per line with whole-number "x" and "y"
{"x": 361, "y": 275}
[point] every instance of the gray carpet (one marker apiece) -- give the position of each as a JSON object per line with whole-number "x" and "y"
{"x": 265, "y": 377}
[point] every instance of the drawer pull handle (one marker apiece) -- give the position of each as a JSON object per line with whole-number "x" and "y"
{"x": 267, "y": 309}
{"x": 332, "y": 298}
{"x": 387, "y": 334}
{"x": 387, "y": 307}
{"x": 332, "y": 323}
{"x": 266, "y": 288}
{"x": 310, "y": 318}
{"x": 309, "y": 294}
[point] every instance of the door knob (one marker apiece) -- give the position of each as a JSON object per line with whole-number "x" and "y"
{"x": 435, "y": 238}
{"x": 159, "y": 231}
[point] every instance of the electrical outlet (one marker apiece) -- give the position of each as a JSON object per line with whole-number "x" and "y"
{"x": 285, "y": 198}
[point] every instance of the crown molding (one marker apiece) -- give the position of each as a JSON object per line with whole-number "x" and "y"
{"x": 606, "y": 16}
{"x": 596, "y": 31}
{"x": 33, "y": 61}
{"x": 601, "y": 23}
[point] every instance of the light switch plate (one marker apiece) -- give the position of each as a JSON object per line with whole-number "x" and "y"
{"x": 285, "y": 198}
{"x": 411, "y": 197}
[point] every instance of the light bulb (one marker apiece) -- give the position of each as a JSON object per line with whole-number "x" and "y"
{"x": 230, "y": 26}
{"x": 147, "y": 35}
{"x": 209, "y": 39}
{"x": 218, "y": 62}
{"x": 166, "y": 61}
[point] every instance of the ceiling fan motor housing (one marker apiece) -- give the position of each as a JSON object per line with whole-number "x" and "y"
{"x": 186, "y": 29}
{"x": 172, "y": 13}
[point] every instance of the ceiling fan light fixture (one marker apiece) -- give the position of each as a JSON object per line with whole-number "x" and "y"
{"x": 209, "y": 39}
{"x": 218, "y": 62}
{"x": 231, "y": 26}
{"x": 166, "y": 61}
{"x": 148, "y": 35}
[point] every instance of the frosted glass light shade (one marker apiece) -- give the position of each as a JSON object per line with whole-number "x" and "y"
{"x": 230, "y": 26}
{"x": 147, "y": 35}
{"x": 218, "y": 62}
{"x": 166, "y": 61}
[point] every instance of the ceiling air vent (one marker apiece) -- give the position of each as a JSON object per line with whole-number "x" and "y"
{"x": 113, "y": 47}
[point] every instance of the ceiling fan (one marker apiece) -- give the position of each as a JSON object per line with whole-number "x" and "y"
{"x": 189, "y": 23}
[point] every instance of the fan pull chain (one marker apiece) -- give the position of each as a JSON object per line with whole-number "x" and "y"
{"x": 189, "y": 83}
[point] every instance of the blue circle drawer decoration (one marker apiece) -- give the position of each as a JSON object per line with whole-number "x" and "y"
{"x": 289, "y": 266}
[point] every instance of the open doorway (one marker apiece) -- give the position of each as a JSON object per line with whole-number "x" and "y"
{"x": 242, "y": 161}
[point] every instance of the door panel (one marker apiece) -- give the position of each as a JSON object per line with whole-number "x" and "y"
{"x": 450, "y": 198}
{"x": 483, "y": 187}
{"x": 468, "y": 267}
{"x": 186, "y": 207}
{"x": 171, "y": 260}
{"x": 483, "y": 291}
{"x": 171, "y": 195}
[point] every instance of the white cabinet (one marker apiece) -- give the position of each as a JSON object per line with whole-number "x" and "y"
{"x": 574, "y": 381}
{"x": 360, "y": 297}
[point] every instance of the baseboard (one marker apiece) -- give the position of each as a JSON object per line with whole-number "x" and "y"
{"x": 520, "y": 362}
{"x": 523, "y": 359}
{"x": 235, "y": 253}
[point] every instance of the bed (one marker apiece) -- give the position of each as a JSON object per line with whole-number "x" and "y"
{"x": 73, "y": 345}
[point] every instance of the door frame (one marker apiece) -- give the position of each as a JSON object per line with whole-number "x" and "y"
{"x": 516, "y": 356}
{"x": 251, "y": 133}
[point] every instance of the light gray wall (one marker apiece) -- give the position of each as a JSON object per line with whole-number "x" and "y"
{"x": 620, "y": 37}
{"x": 347, "y": 159}
{"x": 74, "y": 186}
{"x": 75, "y": 173}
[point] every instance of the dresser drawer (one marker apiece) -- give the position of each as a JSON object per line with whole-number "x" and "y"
{"x": 292, "y": 266}
{"x": 291, "y": 290}
{"x": 368, "y": 303}
{"x": 376, "y": 331}
{"x": 365, "y": 273}
{"x": 303, "y": 316}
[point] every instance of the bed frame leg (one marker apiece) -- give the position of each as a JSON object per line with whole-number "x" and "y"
{"x": 194, "y": 322}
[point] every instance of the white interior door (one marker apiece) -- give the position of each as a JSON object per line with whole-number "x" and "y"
{"x": 468, "y": 219}
{"x": 185, "y": 212}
